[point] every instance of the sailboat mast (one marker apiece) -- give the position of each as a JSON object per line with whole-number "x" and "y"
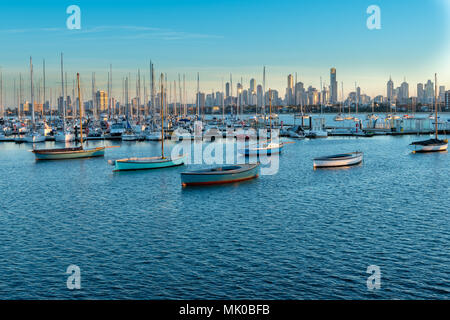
{"x": 270, "y": 113}
{"x": 63, "y": 99}
{"x": 32, "y": 92}
{"x": 435, "y": 106}
{"x": 43, "y": 106}
{"x": 79, "y": 110}
{"x": 198, "y": 95}
{"x": 1, "y": 93}
{"x": 162, "y": 116}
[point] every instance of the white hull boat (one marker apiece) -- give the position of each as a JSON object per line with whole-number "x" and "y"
{"x": 339, "y": 160}
{"x": 67, "y": 137}
{"x": 34, "y": 138}
{"x": 432, "y": 145}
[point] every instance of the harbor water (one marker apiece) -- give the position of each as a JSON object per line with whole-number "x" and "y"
{"x": 297, "y": 234}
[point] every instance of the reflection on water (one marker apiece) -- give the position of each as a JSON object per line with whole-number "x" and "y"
{"x": 297, "y": 234}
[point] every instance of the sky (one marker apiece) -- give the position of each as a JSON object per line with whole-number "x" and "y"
{"x": 216, "y": 38}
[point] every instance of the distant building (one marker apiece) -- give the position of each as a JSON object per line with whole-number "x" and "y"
{"x": 333, "y": 87}
{"x": 420, "y": 93}
{"x": 390, "y": 90}
{"x": 101, "y": 100}
{"x": 447, "y": 100}
{"x": 429, "y": 92}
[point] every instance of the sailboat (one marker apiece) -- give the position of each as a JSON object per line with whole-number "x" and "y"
{"x": 65, "y": 135}
{"x": 132, "y": 164}
{"x": 339, "y": 116}
{"x": 268, "y": 148}
{"x": 71, "y": 153}
{"x": 129, "y": 134}
{"x": 432, "y": 145}
{"x": 34, "y": 136}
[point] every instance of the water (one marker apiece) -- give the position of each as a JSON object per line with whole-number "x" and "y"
{"x": 299, "y": 234}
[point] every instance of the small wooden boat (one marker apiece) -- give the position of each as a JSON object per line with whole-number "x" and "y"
{"x": 436, "y": 144}
{"x": 158, "y": 162}
{"x": 134, "y": 164}
{"x": 68, "y": 153}
{"x": 220, "y": 175}
{"x": 431, "y": 145}
{"x": 339, "y": 160}
{"x": 71, "y": 153}
{"x": 265, "y": 149}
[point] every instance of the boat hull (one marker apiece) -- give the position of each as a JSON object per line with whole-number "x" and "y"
{"x": 345, "y": 160}
{"x": 66, "y": 154}
{"x": 206, "y": 177}
{"x": 261, "y": 151}
{"x": 135, "y": 164}
{"x": 431, "y": 148}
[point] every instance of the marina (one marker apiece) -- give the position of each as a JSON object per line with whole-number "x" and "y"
{"x": 224, "y": 159}
{"x": 274, "y": 225}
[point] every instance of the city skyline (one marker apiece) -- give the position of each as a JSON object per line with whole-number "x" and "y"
{"x": 175, "y": 39}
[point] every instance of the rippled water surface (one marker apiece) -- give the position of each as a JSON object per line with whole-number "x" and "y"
{"x": 298, "y": 234}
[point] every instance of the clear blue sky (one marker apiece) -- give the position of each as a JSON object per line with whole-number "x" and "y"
{"x": 217, "y": 38}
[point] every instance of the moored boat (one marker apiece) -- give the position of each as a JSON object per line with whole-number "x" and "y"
{"x": 265, "y": 149}
{"x": 431, "y": 145}
{"x": 134, "y": 164}
{"x": 339, "y": 160}
{"x": 68, "y": 153}
{"x": 71, "y": 153}
{"x": 220, "y": 175}
{"x": 158, "y": 162}
{"x": 436, "y": 144}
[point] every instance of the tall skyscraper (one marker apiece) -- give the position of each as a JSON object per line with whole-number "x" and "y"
{"x": 290, "y": 90}
{"x": 390, "y": 90}
{"x": 447, "y": 100}
{"x": 404, "y": 92}
{"x": 420, "y": 93}
{"x": 333, "y": 86}
{"x": 227, "y": 90}
{"x": 429, "y": 92}
{"x": 252, "y": 86}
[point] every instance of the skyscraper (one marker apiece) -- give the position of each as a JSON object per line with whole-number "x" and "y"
{"x": 429, "y": 92}
{"x": 290, "y": 90}
{"x": 420, "y": 93}
{"x": 252, "y": 86}
{"x": 447, "y": 100}
{"x": 333, "y": 86}
{"x": 390, "y": 90}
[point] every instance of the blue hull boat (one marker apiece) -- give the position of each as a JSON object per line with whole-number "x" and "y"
{"x": 220, "y": 175}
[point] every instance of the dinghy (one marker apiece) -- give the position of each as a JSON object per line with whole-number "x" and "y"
{"x": 436, "y": 144}
{"x": 268, "y": 148}
{"x": 265, "y": 149}
{"x": 431, "y": 145}
{"x": 158, "y": 162}
{"x": 71, "y": 153}
{"x": 339, "y": 160}
{"x": 220, "y": 175}
{"x": 68, "y": 153}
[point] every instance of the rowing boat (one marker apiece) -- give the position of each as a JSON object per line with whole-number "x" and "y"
{"x": 339, "y": 160}
{"x": 220, "y": 175}
{"x": 68, "y": 153}
{"x": 134, "y": 164}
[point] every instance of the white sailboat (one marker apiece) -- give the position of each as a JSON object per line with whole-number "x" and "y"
{"x": 269, "y": 147}
{"x": 65, "y": 135}
{"x": 34, "y": 136}
{"x": 158, "y": 162}
{"x": 435, "y": 144}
